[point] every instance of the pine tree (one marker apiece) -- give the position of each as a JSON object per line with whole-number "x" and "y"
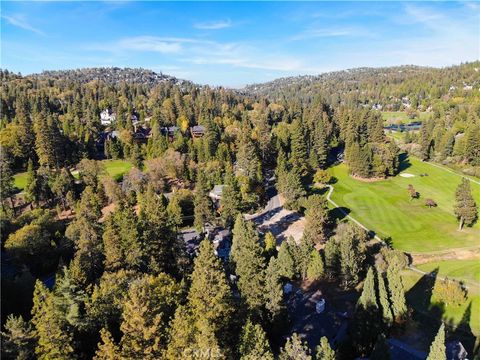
{"x": 48, "y": 141}
{"x": 254, "y": 344}
{"x": 293, "y": 190}
{"x": 465, "y": 207}
{"x": 6, "y": 177}
{"x": 210, "y": 298}
{"x": 397, "y": 292}
{"x": 285, "y": 264}
{"x": 203, "y": 204}
{"x": 384, "y": 301}
{"x": 230, "y": 203}
{"x": 365, "y": 325}
{"x": 295, "y": 349}
{"x": 54, "y": 340}
{"x": 319, "y": 151}
{"x": 368, "y": 297}
{"x": 182, "y": 335}
{"x": 248, "y": 161}
{"x": 159, "y": 242}
{"x": 174, "y": 211}
{"x": 298, "y": 154}
{"x": 270, "y": 243}
{"x": 247, "y": 257}
{"x": 437, "y": 349}
{"x": 147, "y": 312}
{"x": 31, "y": 186}
{"x": 273, "y": 289}
{"x": 352, "y": 250}
{"x": 315, "y": 268}
{"x": 69, "y": 300}
{"x": 18, "y": 340}
{"x": 324, "y": 351}
{"x": 316, "y": 217}
{"x": 107, "y": 349}
{"x": 121, "y": 240}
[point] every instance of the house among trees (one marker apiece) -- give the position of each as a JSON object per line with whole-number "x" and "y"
{"x": 197, "y": 131}
{"x": 141, "y": 135}
{"x": 107, "y": 117}
{"x": 170, "y": 131}
{"x": 216, "y": 193}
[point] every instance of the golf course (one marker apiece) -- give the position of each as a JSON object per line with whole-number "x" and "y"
{"x": 385, "y": 207}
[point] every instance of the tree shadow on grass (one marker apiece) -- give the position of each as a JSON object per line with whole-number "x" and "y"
{"x": 420, "y": 295}
{"x": 339, "y": 213}
{"x": 463, "y": 332}
{"x": 404, "y": 162}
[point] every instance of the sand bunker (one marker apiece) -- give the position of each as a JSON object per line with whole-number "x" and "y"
{"x": 407, "y": 175}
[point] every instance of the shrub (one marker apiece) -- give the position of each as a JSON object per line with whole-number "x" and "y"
{"x": 449, "y": 292}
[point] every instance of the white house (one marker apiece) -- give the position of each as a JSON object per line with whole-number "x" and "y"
{"x": 107, "y": 117}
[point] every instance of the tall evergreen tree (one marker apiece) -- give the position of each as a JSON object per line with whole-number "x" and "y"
{"x": 285, "y": 264}
{"x": 121, "y": 240}
{"x": 254, "y": 344}
{"x": 316, "y": 217}
{"x": 107, "y": 349}
{"x": 384, "y": 300}
{"x": 352, "y": 250}
{"x": 18, "y": 340}
{"x": 159, "y": 242}
{"x": 319, "y": 151}
{"x": 298, "y": 154}
{"x": 437, "y": 349}
{"x": 230, "y": 203}
{"x": 465, "y": 207}
{"x": 54, "y": 340}
{"x": 315, "y": 268}
{"x": 203, "y": 204}
{"x": 295, "y": 349}
{"x": 31, "y": 189}
{"x": 209, "y": 297}
{"x": 247, "y": 257}
{"x": 248, "y": 161}
{"x": 396, "y": 292}
{"x": 273, "y": 290}
{"x": 366, "y": 326}
{"x": 6, "y": 177}
{"x": 147, "y": 312}
{"x": 324, "y": 351}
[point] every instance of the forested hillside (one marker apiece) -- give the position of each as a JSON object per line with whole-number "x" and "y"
{"x": 96, "y": 266}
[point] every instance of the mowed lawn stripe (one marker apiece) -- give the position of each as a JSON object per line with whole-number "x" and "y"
{"x": 385, "y": 207}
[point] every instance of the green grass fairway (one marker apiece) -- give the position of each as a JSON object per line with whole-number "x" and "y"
{"x": 117, "y": 168}
{"x": 394, "y": 117}
{"x": 456, "y": 269}
{"x": 384, "y": 206}
{"x": 418, "y": 296}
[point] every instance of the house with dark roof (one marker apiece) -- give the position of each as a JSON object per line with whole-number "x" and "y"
{"x": 197, "y": 131}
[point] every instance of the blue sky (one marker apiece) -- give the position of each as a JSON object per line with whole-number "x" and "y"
{"x": 235, "y": 43}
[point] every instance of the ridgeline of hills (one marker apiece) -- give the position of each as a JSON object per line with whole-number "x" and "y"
{"x": 376, "y": 85}
{"x": 108, "y": 75}
{"x": 386, "y": 86}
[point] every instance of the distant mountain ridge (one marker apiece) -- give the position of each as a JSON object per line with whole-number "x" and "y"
{"x": 109, "y": 75}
